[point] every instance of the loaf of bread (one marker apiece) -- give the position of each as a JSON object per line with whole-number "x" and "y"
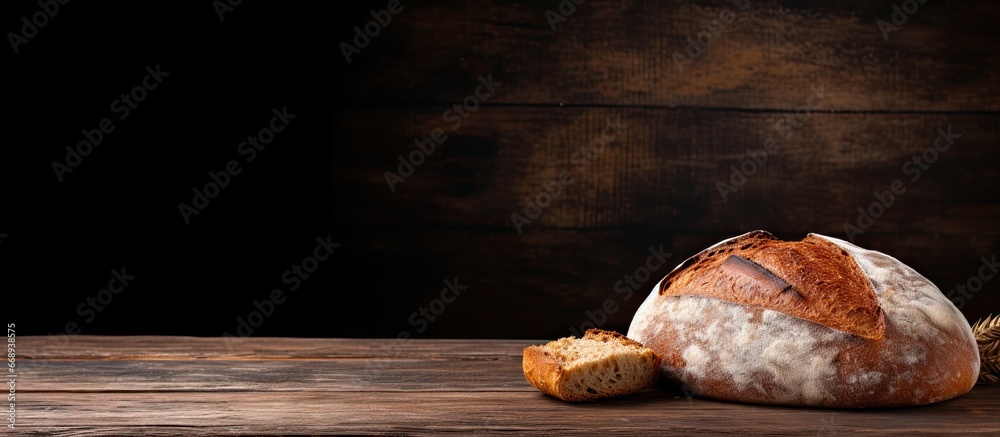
{"x": 599, "y": 365}
{"x": 817, "y": 322}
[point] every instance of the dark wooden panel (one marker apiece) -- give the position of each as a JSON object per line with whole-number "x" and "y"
{"x": 663, "y": 170}
{"x": 550, "y": 282}
{"x": 621, "y": 53}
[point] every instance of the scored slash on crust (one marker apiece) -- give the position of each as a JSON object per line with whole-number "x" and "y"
{"x": 772, "y": 284}
{"x": 812, "y": 279}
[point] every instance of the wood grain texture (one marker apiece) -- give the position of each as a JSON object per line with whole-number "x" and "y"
{"x": 664, "y": 170}
{"x": 276, "y": 374}
{"x": 622, "y": 53}
{"x": 449, "y": 387}
{"x": 655, "y": 184}
{"x": 688, "y": 126}
{"x": 143, "y": 347}
{"x": 655, "y": 411}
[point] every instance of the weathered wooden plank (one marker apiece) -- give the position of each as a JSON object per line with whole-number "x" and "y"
{"x": 424, "y": 395}
{"x": 470, "y": 373}
{"x": 622, "y": 53}
{"x": 144, "y": 347}
{"x": 665, "y": 170}
{"x": 653, "y": 411}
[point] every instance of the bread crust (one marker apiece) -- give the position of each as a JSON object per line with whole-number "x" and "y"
{"x": 812, "y": 279}
{"x": 544, "y": 371}
{"x": 742, "y": 339}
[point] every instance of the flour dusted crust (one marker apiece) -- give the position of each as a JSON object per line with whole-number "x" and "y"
{"x": 761, "y": 328}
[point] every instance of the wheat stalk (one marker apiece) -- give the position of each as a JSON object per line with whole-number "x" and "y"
{"x": 987, "y": 332}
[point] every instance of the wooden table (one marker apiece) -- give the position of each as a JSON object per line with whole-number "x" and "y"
{"x": 181, "y": 385}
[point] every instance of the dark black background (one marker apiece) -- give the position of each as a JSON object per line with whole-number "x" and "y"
{"x": 119, "y": 208}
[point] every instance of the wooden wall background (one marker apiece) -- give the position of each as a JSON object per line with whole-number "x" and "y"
{"x": 656, "y": 184}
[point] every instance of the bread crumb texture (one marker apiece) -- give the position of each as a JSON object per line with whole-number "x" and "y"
{"x": 601, "y": 364}
{"x": 742, "y": 353}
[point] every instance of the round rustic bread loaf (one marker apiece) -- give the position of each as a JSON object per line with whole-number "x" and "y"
{"x": 817, "y": 322}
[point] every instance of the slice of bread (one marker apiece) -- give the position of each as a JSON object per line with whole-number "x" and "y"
{"x": 601, "y": 364}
